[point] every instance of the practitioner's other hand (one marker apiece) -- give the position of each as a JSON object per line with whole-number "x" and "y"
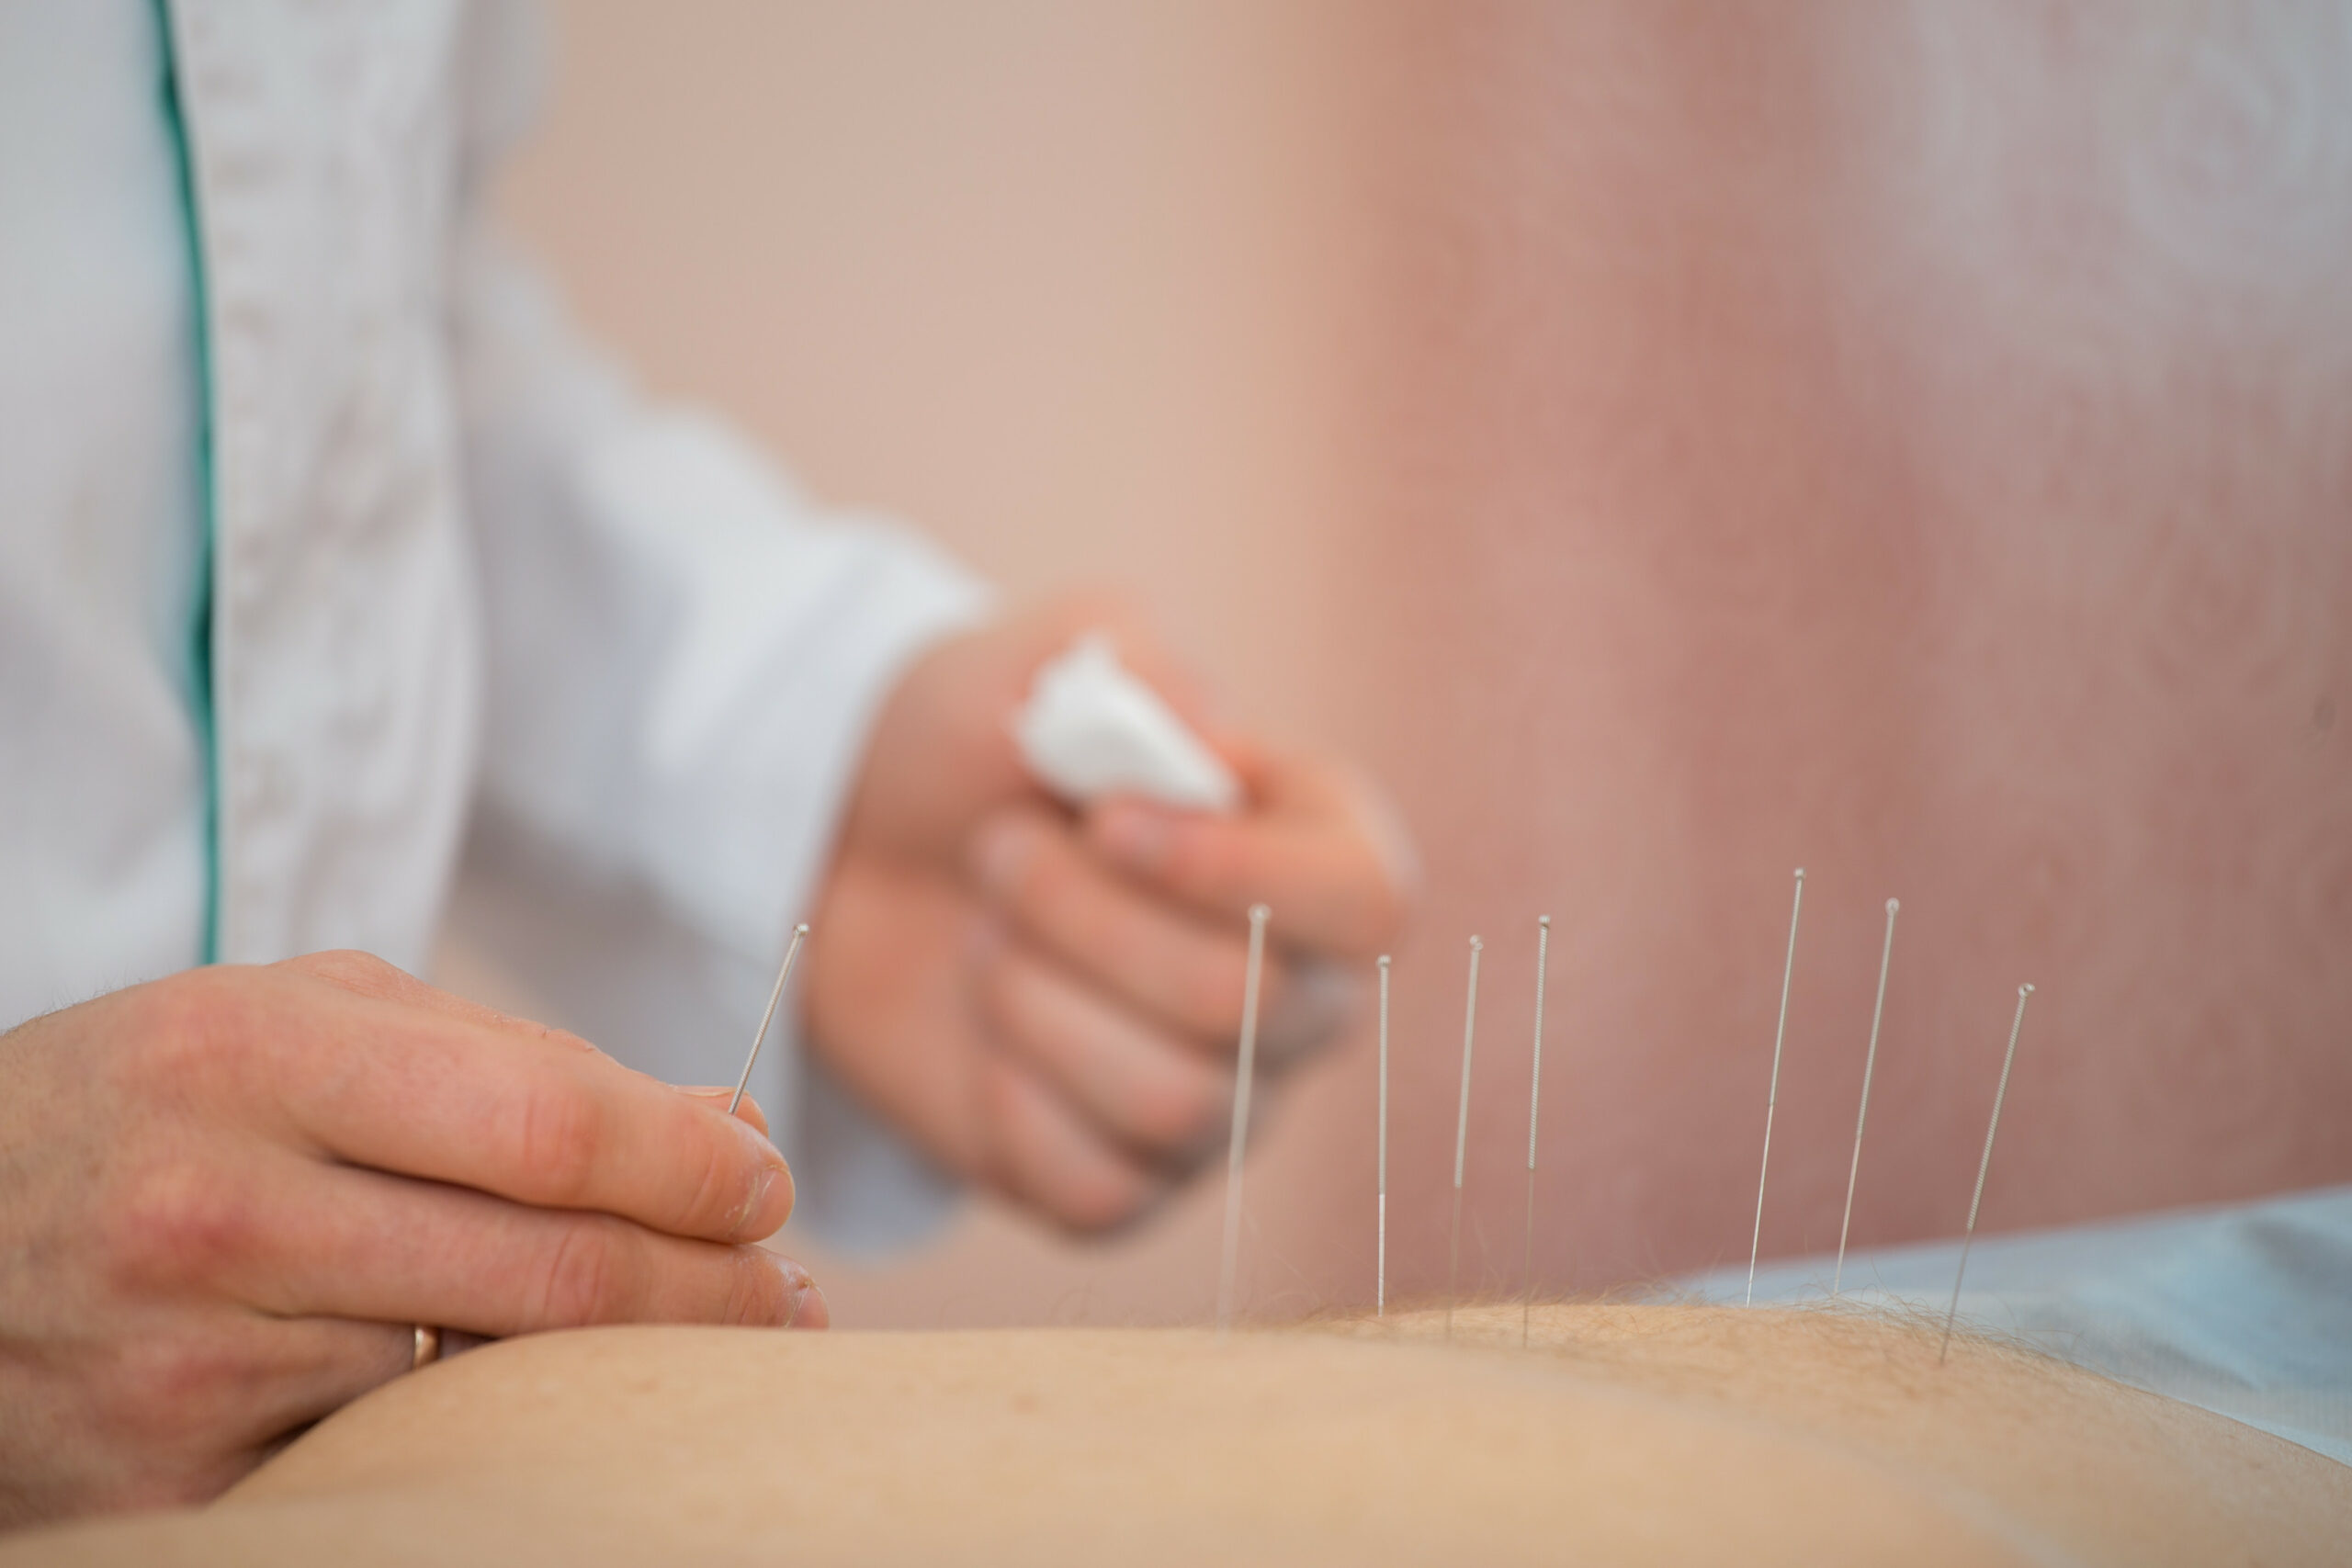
{"x": 1049, "y": 1002}
{"x": 226, "y": 1198}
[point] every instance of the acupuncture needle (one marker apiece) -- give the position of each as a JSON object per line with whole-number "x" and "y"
{"x": 1380, "y": 1267}
{"x": 1984, "y": 1164}
{"x": 1772, "y": 1099}
{"x": 1869, "y": 1060}
{"x": 799, "y": 934}
{"x": 1534, "y": 1102}
{"x": 1461, "y": 1136}
{"x": 1245, "y": 1071}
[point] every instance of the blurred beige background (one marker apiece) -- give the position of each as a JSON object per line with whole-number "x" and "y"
{"x": 1671, "y": 444}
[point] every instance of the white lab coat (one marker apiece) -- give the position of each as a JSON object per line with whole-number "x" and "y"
{"x": 478, "y": 613}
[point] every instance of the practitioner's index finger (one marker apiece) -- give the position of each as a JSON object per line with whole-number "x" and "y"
{"x": 427, "y": 1094}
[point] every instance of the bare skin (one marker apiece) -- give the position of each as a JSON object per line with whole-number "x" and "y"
{"x": 1048, "y": 1000}
{"x": 1645, "y": 1434}
{"x": 228, "y": 1197}
{"x": 2073, "y": 1461}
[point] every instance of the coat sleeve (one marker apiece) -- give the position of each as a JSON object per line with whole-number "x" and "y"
{"x": 683, "y": 657}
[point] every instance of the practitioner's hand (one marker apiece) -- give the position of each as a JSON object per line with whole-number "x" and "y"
{"x": 1049, "y": 1002}
{"x": 226, "y": 1198}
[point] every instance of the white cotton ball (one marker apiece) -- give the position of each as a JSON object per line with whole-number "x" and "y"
{"x": 1091, "y": 729}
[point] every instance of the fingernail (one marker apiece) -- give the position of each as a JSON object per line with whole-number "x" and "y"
{"x": 999, "y": 854}
{"x": 805, "y": 1302}
{"x": 1135, "y": 836}
{"x": 794, "y": 1287}
{"x": 770, "y": 1202}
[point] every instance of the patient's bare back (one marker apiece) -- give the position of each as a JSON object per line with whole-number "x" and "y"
{"x": 1622, "y": 1434}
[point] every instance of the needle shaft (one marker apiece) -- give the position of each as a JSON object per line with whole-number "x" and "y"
{"x": 1245, "y": 1071}
{"x": 1380, "y": 1267}
{"x": 1461, "y": 1136}
{"x": 1535, "y": 1103}
{"x": 799, "y": 935}
{"x": 2008, "y": 1060}
{"x": 1869, "y": 1061}
{"x": 1772, "y": 1099}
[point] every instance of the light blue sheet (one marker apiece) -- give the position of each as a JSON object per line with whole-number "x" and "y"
{"x": 2245, "y": 1310}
